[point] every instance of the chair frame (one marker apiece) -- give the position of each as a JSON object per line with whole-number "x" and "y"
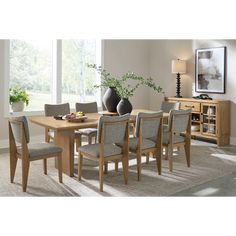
{"x": 186, "y": 143}
{"x": 90, "y": 136}
{"x": 24, "y": 156}
{"x": 103, "y": 161}
{"x": 156, "y": 151}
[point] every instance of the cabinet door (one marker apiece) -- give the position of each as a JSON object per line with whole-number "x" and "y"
{"x": 209, "y": 119}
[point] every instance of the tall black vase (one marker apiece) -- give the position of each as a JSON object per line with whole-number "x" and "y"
{"x": 124, "y": 106}
{"x": 111, "y": 99}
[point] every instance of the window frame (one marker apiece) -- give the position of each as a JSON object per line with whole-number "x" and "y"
{"x": 56, "y": 77}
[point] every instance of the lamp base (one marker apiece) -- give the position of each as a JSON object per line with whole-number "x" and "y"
{"x": 178, "y": 86}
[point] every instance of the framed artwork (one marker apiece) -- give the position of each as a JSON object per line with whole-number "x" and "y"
{"x": 210, "y": 70}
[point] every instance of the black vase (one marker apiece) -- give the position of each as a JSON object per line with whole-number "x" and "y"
{"x": 124, "y": 106}
{"x": 111, "y": 99}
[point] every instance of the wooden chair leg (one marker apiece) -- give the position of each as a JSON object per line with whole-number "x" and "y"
{"x": 105, "y": 168}
{"x": 187, "y": 153}
{"x": 139, "y": 156}
{"x": 147, "y": 158}
{"x": 116, "y": 166}
{"x": 158, "y": 155}
{"x": 89, "y": 139}
{"x": 101, "y": 175}
{"x": 45, "y": 166}
{"x": 170, "y": 159}
{"x": 25, "y": 173}
{"x": 78, "y": 143}
{"x": 59, "y": 161}
{"x": 125, "y": 163}
{"x": 13, "y": 164}
{"x": 80, "y": 163}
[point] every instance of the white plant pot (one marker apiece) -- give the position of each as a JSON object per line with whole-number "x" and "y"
{"x": 17, "y": 106}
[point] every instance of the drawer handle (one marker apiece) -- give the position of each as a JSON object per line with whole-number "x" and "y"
{"x": 189, "y": 106}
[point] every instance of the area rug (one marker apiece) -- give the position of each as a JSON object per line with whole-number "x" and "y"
{"x": 208, "y": 162}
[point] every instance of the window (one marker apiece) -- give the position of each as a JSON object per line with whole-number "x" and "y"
{"x": 32, "y": 66}
{"x": 31, "y": 69}
{"x": 77, "y": 79}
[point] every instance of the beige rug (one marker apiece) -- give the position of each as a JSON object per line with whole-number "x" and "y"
{"x": 208, "y": 162}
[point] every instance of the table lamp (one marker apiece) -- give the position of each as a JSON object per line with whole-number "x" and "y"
{"x": 178, "y": 67}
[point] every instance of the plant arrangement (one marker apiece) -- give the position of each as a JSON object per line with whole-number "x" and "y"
{"x": 125, "y": 86}
{"x": 18, "y": 94}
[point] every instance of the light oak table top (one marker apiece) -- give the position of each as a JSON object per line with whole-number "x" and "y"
{"x": 91, "y": 122}
{"x": 51, "y": 123}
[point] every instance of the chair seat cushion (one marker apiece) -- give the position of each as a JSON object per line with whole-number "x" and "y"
{"x": 177, "y": 138}
{"x": 37, "y": 150}
{"x": 94, "y": 149}
{"x": 133, "y": 144}
{"x": 88, "y": 131}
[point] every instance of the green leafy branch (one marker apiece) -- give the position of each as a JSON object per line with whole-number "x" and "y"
{"x": 122, "y": 86}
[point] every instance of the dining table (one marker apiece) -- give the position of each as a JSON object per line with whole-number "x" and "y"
{"x": 64, "y": 133}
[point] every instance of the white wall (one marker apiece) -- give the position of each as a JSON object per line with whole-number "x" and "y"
{"x": 3, "y": 121}
{"x": 163, "y": 51}
{"x": 121, "y": 56}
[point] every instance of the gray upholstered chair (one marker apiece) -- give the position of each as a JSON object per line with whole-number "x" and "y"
{"x": 54, "y": 110}
{"x": 20, "y": 147}
{"x": 89, "y": 132}
{"x": 111, "y": 130}
{"x": 177, "y": 133}
{"x": 148, "y": 138}
{"x": 167, "y": 106}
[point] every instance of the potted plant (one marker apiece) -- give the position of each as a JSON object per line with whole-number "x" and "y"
{"x": 110, "y": 98}
{"x": 124, "y": 87}
{"x": 18, "y": 97}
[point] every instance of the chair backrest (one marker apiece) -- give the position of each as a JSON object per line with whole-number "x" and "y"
{"x": 148, "y": 124}
{"x": 90, "y": 107}
{"x": 56, "y": 109}
{"x": 167, "y": 106}
{"x": 180, "y": 120}
{"x": 19, "y": 124}
{"x": 113, "y": 129}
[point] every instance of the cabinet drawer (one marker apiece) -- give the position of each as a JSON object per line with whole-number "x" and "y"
{"x": 195, "y": 106}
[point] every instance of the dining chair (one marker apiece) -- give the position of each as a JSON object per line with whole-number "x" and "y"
{"x": 90, "y": 107}
{"x": 167, "y": 106}
{"x": 21, "y": 148}
{"x": 148, "y": 139}
{"x": 54, "y": 110}
{"x": 177, "y": 133}
{"x": 111, "y": 130}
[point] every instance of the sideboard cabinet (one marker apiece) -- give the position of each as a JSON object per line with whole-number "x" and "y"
{"x": 210, "y": 118}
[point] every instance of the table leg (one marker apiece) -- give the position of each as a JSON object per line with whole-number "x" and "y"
{"x": 65, "y": 140}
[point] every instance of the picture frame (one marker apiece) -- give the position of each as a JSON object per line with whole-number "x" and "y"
{"x": 210, "y": 71}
